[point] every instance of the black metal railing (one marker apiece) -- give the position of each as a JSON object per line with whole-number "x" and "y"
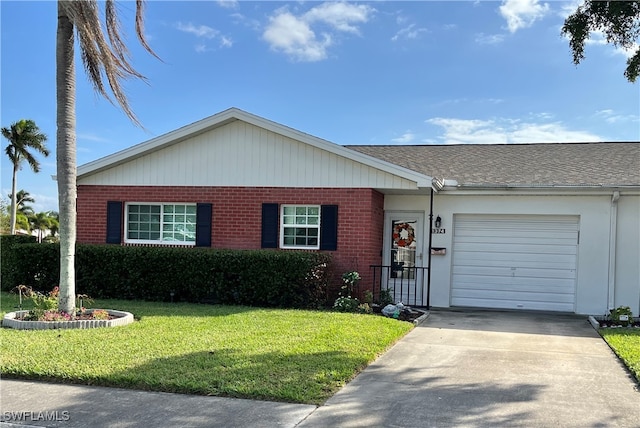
{"x": 408, "y": 285}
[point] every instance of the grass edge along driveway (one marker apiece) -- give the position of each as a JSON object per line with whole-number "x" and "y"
{"x": 626, "y": 345}
{"x": 270, "y": 354}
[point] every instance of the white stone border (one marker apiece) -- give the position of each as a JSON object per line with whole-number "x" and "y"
{"x": 594, "y": 322}
{"x": 10, "y": 321}
{"x": 422, "y": 318}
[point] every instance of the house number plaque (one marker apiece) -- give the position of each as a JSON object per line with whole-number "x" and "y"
{"x": 440, "y": 231}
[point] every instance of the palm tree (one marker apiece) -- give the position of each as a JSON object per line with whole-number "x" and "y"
{"x": 23, "y": 135}
{"x": 21, "y": 199}
{"x": 55, "y": 224}
{"x": 104, "y": 57}
{"x": 41, "y": 222}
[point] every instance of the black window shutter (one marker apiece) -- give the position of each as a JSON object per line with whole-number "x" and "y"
{"x": 114, "y": 222}
{"x": 203, "y": 225}
{"x": 269, "y": 225}
{"x": 329, "y": 227}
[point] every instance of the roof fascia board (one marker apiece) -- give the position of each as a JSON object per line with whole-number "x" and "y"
{"x": 232, "y": 114}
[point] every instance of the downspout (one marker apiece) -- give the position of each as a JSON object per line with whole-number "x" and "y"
{"x": 429, "y": 251}
{"x": 613, "y": 232}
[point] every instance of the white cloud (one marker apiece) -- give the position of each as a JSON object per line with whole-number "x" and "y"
{"x": 598, "y": 38}
{"x": 239, "y": 18}
{"x": 507, "y": 131}
{"x": 202, "y": 31}
{"x": 340, "y": 15}
{"x": 611, "y": 116}
{"x": 522, "y": 13}
{"x": 44, "y": 203}
{"x": 568, "y": 8}
{"x": 228, "y": 4}
{"x": 226, "y": 42}
{"x": 409, "y": 32}
{"x": 489, "y": 39}
{"x": 296, "y": 37}
{"x": 405, "y": 138}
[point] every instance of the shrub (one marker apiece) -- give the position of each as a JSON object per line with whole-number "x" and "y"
{"x": 244, "y": 277}
{"x": 8, "y": 258}
{"x": 346, "y": 304}
{"x": 100, "y": 314}
{"x": 625, "y": 312}
{"x": 365, "y": 308}
{"x": 386, "y": 298}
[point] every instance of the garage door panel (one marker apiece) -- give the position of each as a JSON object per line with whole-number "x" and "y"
{"x": 524, "y": 248}
{"x": 514, "y": 275}
{"x": 546, "y": 285}
{"x": 516, "y": 304}
{"x": 513, "y": 296}
{"x": 500, "y": 235}
{"x": 517, "y": 221}
{"x": 515, "y": 261}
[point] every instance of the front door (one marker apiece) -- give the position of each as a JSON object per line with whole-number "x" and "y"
{"x": 403, "y": 255}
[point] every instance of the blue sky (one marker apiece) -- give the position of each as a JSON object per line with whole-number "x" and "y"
{"x": 385, "y": 72}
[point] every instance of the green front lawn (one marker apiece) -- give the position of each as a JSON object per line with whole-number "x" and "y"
{"x": 626, "y": 344}
{"x": 271, "y": 354}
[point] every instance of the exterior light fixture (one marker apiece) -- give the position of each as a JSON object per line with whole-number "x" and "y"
{"x": 438, "y": 222}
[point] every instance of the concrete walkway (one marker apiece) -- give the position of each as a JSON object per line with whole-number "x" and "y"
{"x": 472, "y": 368}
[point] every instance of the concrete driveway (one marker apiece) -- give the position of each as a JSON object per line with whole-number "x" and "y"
{"x": 490, "y": 369}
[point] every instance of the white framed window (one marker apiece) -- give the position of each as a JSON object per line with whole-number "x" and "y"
{"x": 160, "y": 223}
{"x": 300, "y": 226}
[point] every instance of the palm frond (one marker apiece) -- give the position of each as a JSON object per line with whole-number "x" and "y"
{"x": 106, "y": 57}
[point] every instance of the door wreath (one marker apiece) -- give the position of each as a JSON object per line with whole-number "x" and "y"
{"x": 403, "y": 235}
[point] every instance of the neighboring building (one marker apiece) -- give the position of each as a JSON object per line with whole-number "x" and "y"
{"x": 541, "y": 226}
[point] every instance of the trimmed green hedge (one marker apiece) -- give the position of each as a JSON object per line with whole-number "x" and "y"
{"x": 243, "y": 277}
{"x": 8, "y": 258}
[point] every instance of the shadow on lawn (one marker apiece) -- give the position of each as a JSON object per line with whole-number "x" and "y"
{"x": 277, "y": 376}
{"x": 161, "y": 309}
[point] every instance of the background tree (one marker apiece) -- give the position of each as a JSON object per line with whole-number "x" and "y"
{"x": 23, "y": 135}
{"x": 4, "y": 216}
{"x": 55, "y": 225}
{"x": 22, "y": 198}
{"x": 619, "y": 22}
{"x": 104, "y": 57}
{"x": 42, "y": 223}
{"x": 22, "y": 222}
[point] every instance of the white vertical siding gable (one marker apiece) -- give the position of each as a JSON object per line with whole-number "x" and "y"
{"x": 242, "y": 154}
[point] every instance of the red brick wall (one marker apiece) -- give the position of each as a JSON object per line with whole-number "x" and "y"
{"x": 237, "y": 213}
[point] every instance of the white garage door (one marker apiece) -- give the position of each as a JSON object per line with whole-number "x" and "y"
{"x": 516, "y": 262}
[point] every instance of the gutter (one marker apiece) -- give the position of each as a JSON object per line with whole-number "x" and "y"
{"x": 546, "y": 186}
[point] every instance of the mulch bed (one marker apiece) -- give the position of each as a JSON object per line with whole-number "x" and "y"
{"x": 407, "y": 314}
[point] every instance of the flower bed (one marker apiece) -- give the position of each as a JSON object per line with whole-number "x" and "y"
{"x": 606, "y": 322}
{"x": 16, "y": 320}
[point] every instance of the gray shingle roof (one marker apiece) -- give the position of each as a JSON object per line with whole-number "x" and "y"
{"x": 566, "y": 164}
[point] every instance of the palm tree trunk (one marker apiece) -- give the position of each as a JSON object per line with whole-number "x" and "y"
{"x": 66, "y": 158}
{"x": 14, "y": 202}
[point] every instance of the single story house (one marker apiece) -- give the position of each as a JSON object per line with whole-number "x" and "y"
{"x": 552, "y": 227}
